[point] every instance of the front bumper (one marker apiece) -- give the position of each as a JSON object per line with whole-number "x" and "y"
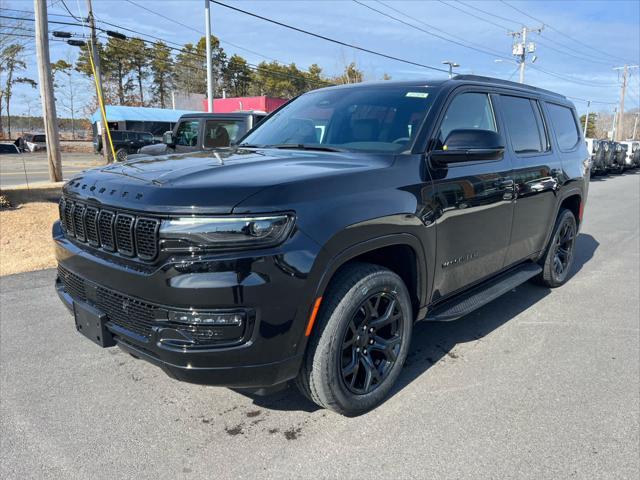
{"x": 271, "y": 286}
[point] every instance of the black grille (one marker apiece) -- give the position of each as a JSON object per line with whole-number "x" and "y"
{"x": 68, "y": 217}
{"x": 73, "y": 284}
{"x": 61, "y": 207}
{"x": 135, "y": 316}
{"x": 115, "y": 232}
{"x": 78, "y": 222}
{"x": 105, "y": 227}
{"x": 91, "y": 226}
{"x": 124, "y": 234}
{"x": 124, "y": 311}
{"x": 146, "y": 235}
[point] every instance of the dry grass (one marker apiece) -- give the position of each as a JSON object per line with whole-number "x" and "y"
{"x": 25, "y": 229}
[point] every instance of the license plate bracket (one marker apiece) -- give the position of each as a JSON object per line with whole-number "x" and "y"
{"x": 91, "y": 323}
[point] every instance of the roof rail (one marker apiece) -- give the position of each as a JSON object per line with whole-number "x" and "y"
{"x": 498, "y": 81}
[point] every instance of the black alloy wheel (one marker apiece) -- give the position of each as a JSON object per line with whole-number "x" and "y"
{"x": 360, "y": 340}
{"x": 558, "y": 260}
{"x": 563, "y": 250}
{"x": 371, "y": 343}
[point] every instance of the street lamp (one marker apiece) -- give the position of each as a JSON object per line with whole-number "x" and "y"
{"x": 452, "y": 65}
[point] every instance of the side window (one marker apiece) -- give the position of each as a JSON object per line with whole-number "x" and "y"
{"x": 564, "y": 124}
{"x": 116, "y": 136}
{"x": 522, "y": 123}
{"x": 187, "y": 133}
{"x": 220, "y": 133}
{"x": 468, "y": 111}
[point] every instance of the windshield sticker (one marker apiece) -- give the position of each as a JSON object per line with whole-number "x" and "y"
{"x": 417, "y": 94}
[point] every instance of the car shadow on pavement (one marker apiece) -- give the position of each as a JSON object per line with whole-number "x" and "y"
{"x": 435, "y": 341}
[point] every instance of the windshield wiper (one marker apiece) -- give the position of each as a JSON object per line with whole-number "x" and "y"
{"x": 249, "y": 145}
{"x": 304, "y": 146}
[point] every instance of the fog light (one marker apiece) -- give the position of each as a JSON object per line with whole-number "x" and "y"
{"x": 234, "y": 319}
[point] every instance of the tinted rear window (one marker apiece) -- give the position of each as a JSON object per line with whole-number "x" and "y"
{"x": 564, "y": 124}
{"x": 39, "y": 138}
{"x": 521, "y": 121}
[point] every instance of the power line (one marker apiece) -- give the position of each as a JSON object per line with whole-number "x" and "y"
{"x": 561, "y": 44}
{"x": 570, "y": 54}
{"x": 200, "y": 32}
{"x": 180, "y": 50}
{"x": 165, "y": 17}
{"x": 493, "y": 15}
{"x": 332, "y": 40}
{"x": 465, "y": 45}
{"x": 67, "y": 9}
{"x": 502, "y": 27}
{"x": 551, "y": 27}
{"x": 572, "y": 79}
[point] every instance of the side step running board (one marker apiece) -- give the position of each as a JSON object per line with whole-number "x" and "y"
{"x": 467, "y": 302}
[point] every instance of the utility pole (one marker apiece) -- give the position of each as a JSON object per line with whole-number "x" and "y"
{"x": 635, "y": 126}
{"x": 46, "y": 90}
{"x": 623, "y": 89}
{"x": 586, "y": 118}
{"x": 521, "y": 48}
{"x": 98, "y": 82}
{"x": 613, "y": 124}
{"x": 207, "y": 28}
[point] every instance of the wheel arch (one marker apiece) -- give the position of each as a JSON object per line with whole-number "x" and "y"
{"x": 401, "y": 253}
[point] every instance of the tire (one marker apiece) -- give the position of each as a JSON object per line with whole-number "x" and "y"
{"x": 121, "y": 155}
{"x": 342, "y": 339}
{"x": 556, "y": 265}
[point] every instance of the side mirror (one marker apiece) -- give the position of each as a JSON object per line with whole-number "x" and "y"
{"x": 470, "y": 145}
{"x": 167, "y": 138}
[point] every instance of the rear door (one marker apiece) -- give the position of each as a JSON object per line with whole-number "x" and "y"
{"x": 474, "y": 201}
{"x": 536, "y": 171}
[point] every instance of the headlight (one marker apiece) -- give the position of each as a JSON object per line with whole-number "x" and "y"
{"x": 207, "y": 233}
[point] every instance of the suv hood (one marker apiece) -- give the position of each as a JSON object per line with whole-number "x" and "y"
{"x": 212, "y": 181}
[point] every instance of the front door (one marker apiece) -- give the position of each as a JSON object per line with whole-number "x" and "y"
{"x": 475, "y": 202}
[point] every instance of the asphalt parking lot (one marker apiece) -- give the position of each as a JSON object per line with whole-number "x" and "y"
{"x": 538, "y": 384}
{"x": 12, "y": 167}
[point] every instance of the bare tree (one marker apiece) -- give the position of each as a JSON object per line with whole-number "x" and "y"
{"x": 66, "y": 93}
{"x": 12, "y": 62}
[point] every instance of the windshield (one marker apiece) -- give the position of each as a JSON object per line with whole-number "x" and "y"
{"x": 373, "y": 119}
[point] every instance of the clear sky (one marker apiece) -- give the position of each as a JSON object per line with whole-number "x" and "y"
{"x": 581, "y": 43}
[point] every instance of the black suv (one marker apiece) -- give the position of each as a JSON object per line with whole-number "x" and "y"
{"x": 204, "y": 131}
{"x": 309, "y": 250}
{"x": 125, "y": 142}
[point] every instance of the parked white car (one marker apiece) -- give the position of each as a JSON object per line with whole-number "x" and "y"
{"x": 628, "y": 159}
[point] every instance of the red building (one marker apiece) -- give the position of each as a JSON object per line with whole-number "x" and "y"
{"x": 233, "y": 104}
